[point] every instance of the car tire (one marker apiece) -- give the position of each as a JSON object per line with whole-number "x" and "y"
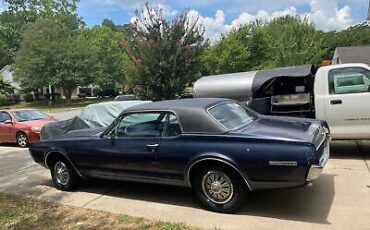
{"x": 208, "y": 181}
{"x": 22, "y": 140}
{"x": 64, "y": 175}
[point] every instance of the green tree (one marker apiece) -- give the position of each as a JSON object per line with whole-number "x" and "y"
{"x": 51, "y": 53}
{"x": 20, "y": 13}
{"x": 164, "y": 55}
{"x": 5, "y": 89}
{"x": 293, "y": 41}
{"x": 357, "y": 35}
{"x": 285, "y": 41}
{"x": 239, "y": 50}
{"x": 4, "y": 55}
{"x": 110, "y": 59}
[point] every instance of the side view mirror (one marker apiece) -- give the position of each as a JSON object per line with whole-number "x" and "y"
{"x": 8, "y": 122}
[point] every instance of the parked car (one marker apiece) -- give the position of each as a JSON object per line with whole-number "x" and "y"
{"x": 22, "y": 126}
{"x": 126, "y": 97}
{"x": 219, "y": 148}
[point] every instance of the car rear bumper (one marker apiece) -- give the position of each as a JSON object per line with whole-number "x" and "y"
{"x": 315, "y": 170}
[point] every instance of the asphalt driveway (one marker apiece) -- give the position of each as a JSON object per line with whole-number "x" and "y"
{"x": 340, "y": 199}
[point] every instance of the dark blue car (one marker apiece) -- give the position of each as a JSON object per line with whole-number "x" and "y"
{"x": 216, "y": 146}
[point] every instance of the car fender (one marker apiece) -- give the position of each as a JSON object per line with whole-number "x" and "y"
{"x": 215, "y": 157}
{"x": 64, "y": 154}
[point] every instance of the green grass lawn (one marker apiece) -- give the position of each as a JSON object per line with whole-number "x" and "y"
{"x": 58, "y": 106}
{"x": 26, "y": 213}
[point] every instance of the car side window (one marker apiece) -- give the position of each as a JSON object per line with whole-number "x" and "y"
{"x": 4, "y": 116}
{"x": 349, "y": 80}
{"x": 172, "y": 127}
{"x": 141, "y": 125}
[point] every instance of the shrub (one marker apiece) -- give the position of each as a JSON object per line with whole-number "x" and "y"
{"x": 28, "y": 97}
{"x": 2, "y": 99}
{"x": 9, "y": 99}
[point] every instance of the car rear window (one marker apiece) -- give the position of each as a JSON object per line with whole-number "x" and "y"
{"x": 232, "y": 115}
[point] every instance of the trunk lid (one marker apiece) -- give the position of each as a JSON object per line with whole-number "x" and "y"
{"x": 286, "y": 128}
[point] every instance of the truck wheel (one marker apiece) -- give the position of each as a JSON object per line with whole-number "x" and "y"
{"x": 220, "y": 189}
{"x": 64, "y": 176}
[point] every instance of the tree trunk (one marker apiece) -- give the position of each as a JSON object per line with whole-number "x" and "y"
{"x": 68, "y": 94}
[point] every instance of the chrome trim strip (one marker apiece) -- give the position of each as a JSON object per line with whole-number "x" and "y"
{"x": 283, "y": 163}
{"x": 55, "y": 151}
{"x": 219, "y": 160}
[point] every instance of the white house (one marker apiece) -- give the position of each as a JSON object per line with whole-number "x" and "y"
{"x": 7, "y": 74}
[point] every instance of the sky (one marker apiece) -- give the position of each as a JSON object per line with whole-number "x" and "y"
{"x": 219, "y": 16}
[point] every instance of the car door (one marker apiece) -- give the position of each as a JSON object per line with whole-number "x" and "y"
{"x": 128, "y": 148}
{"x": 346, "y": 106}
{"x": 172, "y": 154}
{"x": 5, "y": 128}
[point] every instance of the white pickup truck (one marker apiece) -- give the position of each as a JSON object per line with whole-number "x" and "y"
{"x": 339, "y": 94}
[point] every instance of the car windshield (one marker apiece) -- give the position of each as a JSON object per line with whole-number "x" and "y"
{"x": 232, "y": 115}
{"x": 29, "y": 115}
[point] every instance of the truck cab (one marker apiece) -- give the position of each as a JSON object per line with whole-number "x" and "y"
{"x": 342, "y": 96}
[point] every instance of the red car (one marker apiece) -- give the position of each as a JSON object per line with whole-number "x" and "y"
{"x": 22, "y": 126}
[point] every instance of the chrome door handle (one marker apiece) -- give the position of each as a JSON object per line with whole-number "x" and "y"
{"x": 153, "y": 147}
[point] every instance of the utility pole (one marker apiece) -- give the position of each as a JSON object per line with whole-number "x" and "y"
{"x": 368, "y": 13}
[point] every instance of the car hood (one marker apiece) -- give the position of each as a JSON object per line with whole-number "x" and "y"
{"x": 286, "y": 128}
{"x": 38, "y": 123}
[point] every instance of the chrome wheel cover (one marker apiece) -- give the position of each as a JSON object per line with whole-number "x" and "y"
{"x": 61, "y": 173}
{"x": 22, "y": 140}
{"x": 217, "y": 187}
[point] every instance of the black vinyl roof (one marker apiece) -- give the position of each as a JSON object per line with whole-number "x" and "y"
{"x": 191, "y": 113}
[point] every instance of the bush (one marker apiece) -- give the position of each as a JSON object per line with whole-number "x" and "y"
{"x": 9, "y": 99}
{"x": 28, "y": 97}
{"x": 2, "y": 99}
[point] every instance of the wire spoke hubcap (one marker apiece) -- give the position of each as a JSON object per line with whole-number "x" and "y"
{"x": 61, "y": 173}
{"x": 218, "y": 187}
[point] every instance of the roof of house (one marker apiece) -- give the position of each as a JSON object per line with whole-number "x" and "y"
{"x": 354, "y": 54}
